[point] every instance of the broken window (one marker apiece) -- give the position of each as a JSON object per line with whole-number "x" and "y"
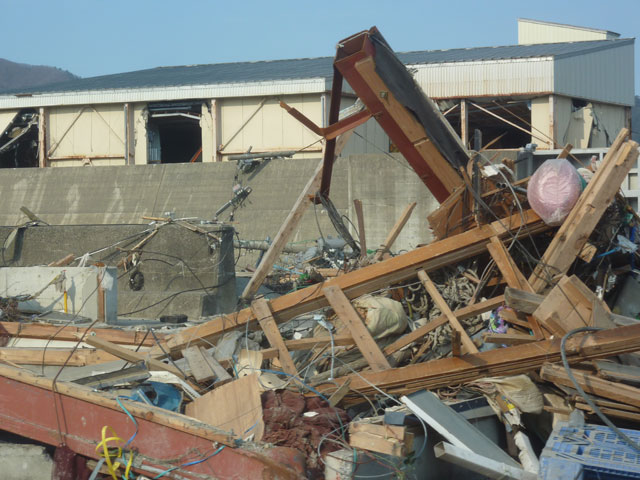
{"x": 173, "y": 132}
{"x": 19, "y": 141}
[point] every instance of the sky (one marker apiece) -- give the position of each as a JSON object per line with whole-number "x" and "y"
{"x": 98, "y": 37}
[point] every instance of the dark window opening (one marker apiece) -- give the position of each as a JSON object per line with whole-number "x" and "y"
{"x": 174, "y": 133}
{"x": 19, "y": 141}
{"x": 493, "y": 128}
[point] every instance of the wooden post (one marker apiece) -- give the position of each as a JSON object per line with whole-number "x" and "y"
{"x": 281, "y": 238}
{"x": 42, "y": 137}
{"x": 444, "y": 308}
{"x": 217, "y": 129}
{"x": 263, "y": 313}
{"x": 552, "y": 120}
{"x": 357, "y": 204}
{"x": 395, "y": 231}
{"x": 365, "y": 342}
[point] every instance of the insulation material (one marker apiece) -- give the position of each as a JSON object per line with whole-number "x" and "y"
{"x": 553, "y": 190}
{"x": 520, "y": 391}
{"x": 384, "y": 316}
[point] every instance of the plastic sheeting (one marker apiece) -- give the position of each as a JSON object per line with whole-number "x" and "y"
{"x": 553, "y": 190}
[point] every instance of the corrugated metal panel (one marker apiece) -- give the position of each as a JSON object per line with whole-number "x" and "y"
{"x": 293, "y": 87}
{"x": 605, "y": 76}
{"x": 477, "y": 79}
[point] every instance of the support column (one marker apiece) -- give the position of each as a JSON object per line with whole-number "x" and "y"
{"x": 464, "y": 123}
{"x": 42, "y": 138}
{"x": 552, "y": 122}
{"x": 207, "y": 134}
{"x": 217, "y": 129}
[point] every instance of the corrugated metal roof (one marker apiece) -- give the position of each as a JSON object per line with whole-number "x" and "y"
{"x": 304, "y": 68}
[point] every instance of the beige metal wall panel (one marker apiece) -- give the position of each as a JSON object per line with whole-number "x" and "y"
{"x": 206, "y": 126}
{"x": 539, "y": 32}
{"x": 488, "y": 78}
{"x": 604, "y": 76}
{"x": 86, "y": 132}
{"x": 6, "y": 117}
{"x": 140, "y": 117}
{"x": 159, "y": 94}
{"x": 608, "y": 120}
{"x": 562, "y": 119}
{"x": 263, "y": 125}
{"x": 540, "y": 121}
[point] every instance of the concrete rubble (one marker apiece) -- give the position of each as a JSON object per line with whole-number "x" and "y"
{"x": 495, "y": 351}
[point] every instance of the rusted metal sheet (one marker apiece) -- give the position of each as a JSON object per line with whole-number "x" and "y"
{"x": 75, "y": 417}
{"x": 410, "y": 119}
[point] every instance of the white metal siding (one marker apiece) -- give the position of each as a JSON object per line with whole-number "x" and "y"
{"x": 487, "y": 78}
{"x": 604, "y": 76}
{"x": 534, "y": 32}
{"x": 154, "y": 94}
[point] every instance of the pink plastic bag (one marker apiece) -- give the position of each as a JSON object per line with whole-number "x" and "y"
{"x": 553, "y": 190}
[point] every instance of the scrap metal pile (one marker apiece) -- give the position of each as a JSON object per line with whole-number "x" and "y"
{"x": 358, "y": 371}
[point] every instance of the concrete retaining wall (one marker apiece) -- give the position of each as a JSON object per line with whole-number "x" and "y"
{"x": 120, "y": 195}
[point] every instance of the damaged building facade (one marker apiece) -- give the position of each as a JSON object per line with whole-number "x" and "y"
{"x": 548, "y": 94}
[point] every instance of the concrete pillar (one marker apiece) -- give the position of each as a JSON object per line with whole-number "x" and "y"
{"x": 140, "y": 141}
{"x": 208, "y": 132}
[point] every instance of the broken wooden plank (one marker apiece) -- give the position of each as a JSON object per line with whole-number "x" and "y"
{"x": 444, "y": 308}
{"x": 522, "y": 301}
{"x": 597, "y": 196}
{"x": 456, "y": 345}
{"x": 132, "y": 356}
{"x": 262, "y": 312}
{"x": 617, "y": 392}
{"x": 203, "y": 366}
{"x": 395, "y": 231}
{"x": 617, "y": 372}
{"x": 55, "y": 356}
{"x": 386, "y": 439}
{"x": 71, "y": 333}
{"x": 282, "y": 237}
{"x": 349, "y": 315}
{"x": 510, "y": 271}
{"x": 367, "y": 279}
{"x": 357, "y": 206}
{"x": 508, "y": 338}
{"x": 563, "y": 310}
{"x": 233, "y": 407}
{"x": 339, "y": 394}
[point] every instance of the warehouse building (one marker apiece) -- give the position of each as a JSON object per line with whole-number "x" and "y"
{"x": 548, "y": 94}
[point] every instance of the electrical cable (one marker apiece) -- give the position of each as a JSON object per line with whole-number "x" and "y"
{"x": 583, "y": 394}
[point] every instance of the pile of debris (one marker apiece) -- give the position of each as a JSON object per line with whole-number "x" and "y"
{"x": 486, "y": 348}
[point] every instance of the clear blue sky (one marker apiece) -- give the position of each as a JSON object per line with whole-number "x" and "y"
{"x": 96, "y": 37}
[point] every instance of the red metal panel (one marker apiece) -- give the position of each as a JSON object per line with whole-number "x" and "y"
{"x": 32, "y": 412}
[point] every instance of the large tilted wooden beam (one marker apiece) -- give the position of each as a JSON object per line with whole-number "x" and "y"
{"x": 365, "y": 280}
{"x": 585, "y": 215}
{"x": 498, "y": 362}
{"x": 282, "y": 237}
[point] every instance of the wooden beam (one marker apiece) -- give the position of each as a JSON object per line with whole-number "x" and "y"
{"x": 433, "y": 292}
{"x": 597, "y": 196}
{"x": 508, "y": 338}
{"x": 367, "y": 279}
{"x": 70, "y": 333}
{"x": 522, "y": 301}
{"x": 618, "y": 392}
{"x": 55, "y": 356}
{"x": 498, "y": 362}
{"x": 456, "y": 346}
{"x": 357, "y": 205}
{"x": 464, "y": 123}
{"x": 395, "y": 231}
{"x": 263, "y": 313}
{"x": 282, "y": 237}
{"x": 349, "y": 315}
{"x": 510, "y": 271}
{"x": 132, "y": 356}
{"x": 461, "y": 314}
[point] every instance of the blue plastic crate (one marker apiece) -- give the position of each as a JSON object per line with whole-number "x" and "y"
{"x": 589, "y": 452}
